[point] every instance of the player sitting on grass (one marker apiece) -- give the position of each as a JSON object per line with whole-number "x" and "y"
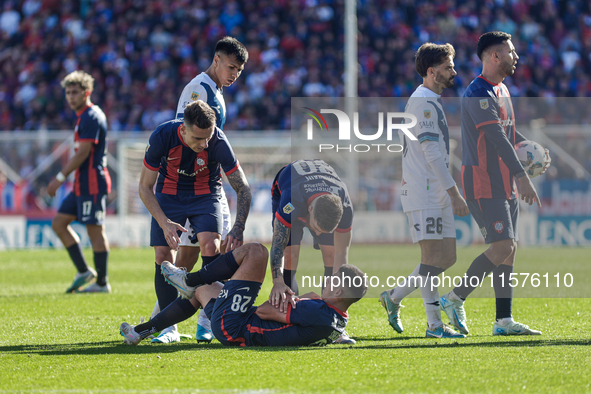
{"x": 235, "y": 321}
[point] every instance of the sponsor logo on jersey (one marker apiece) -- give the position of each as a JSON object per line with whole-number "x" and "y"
{"x": 484, "y": 103}
{"x": 172, "y": 158}
{"x": 499, "y": 226}
{"x": 427, "y": 124}
{"x": 194, "y": 96}
{"x": 288, "y": 208}
{"x": 147, "y": 146}
{"x": 427, "y": 113}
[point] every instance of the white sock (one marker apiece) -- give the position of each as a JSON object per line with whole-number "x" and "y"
{"x": 430, "y": 296}
{"x": 410, "y": 284}
{"x": 506, "y": 320}
{"x": 169, "y": 329}
{"x": 203, "y": 321}
{"x": 156, "y": 310}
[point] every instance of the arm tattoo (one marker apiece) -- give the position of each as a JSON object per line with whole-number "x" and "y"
{"x": 281, "y": 235}
{"x": 244, "y": 197}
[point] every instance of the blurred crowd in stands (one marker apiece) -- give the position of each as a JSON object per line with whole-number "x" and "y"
{"x": 142, "y": 53}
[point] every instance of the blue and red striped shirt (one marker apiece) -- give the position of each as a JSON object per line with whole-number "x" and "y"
{"x": 183, "y": 171}
{"x": 312, "y": 322}
{"x": 489, "y": 161}
{"x": 299, "y": 183}
{"x": 92, "y": 177}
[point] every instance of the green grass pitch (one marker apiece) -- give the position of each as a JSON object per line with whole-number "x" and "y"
{"x": 56, "y": 342}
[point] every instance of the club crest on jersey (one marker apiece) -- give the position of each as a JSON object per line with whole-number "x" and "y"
{"x": 427, "y": 113}
{"x": 200, "y": 162}
{"x": 288, "y": 208}
{"x": 499, "y": 226}
{"x": 484, "y": 103}
{"x": 194, "y": 96}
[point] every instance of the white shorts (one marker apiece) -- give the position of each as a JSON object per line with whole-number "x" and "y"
{"x": 190, "y": 239}
{"x": 436, "y": 223}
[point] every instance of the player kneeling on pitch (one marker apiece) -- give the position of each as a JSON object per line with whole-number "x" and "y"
{"x": 314, "y": 320}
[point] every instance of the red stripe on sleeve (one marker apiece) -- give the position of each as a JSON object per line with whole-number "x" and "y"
{"x": 94, "y": 140}
{"x": 233, "y": 169}
{"x": 288, "y": 225}
{"x": 479, "y": 125}
{"x": 77, "y": 182}
{"x": 343, "y": 230}
{"x": 149, "y": 166}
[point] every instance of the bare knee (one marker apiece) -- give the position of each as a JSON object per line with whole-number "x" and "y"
{"x": 501, "y": 250}
{"x": 163, "y": 254}
{"x": 448, "y": 260}
{"x": 258, "y": 252}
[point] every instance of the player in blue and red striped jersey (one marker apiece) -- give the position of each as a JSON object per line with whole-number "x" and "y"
{"x": 308, "y": 193}
{"x": 490, "y": 168}
{"x": 87, "y": 203}
{"x": 186, "y": 157}
{"x": 311, "y": 320}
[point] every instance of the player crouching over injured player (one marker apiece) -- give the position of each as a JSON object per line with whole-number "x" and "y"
{"x": 235, "y": 321}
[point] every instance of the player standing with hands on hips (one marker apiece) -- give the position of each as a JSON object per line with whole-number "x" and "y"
{"x": 87, "y": 202}
{"x": 490, "y": 169}
{"x": 430, "y": 196}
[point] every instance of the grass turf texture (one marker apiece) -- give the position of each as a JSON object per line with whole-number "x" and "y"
{"x": 53, "y": 341}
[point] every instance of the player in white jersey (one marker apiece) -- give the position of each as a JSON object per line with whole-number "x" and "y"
{"x": 430, "y": 197}
{"x": 227, "y": 65}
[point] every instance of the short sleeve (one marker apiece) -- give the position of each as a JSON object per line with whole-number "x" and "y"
{"x": 346, "y": 223}
{"x": 191, "y": 92}
{"x": 88, "y": 129}
{"x": 426, "y": 114}
{"x": 154, "y": 151}
{"x": 224, "y": 154}
{"x": 307, "y": 312}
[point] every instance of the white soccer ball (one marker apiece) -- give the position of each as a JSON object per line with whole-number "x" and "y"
{"x": 532, "y": 157}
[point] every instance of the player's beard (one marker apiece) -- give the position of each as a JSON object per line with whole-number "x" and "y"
{"x": 447, "y": 83}
{"x": 507, "y": 69}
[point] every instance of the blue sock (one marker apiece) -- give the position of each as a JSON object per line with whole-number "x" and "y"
{"x": 480, "y": 267}
{"x": 100, "y": 262}
{"x": 503, "y": 291}
{"x": 221, "y": 269}
{"x": 205, "y": 260}
{"x": 178, "y": 311}
{"x": 75, "y": 252}
{"x": 165, "y": 292}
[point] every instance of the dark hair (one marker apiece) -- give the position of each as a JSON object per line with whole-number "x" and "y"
{"x": 328, "y": 210}
{"x": 199, "y": 113}
{"x": 491, "y": 39}
{"x": 232, "y": 47}
{"x": 353, "y": 289}
{"x": 432, "y": 55}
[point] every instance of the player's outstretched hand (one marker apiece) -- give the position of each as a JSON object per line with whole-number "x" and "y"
{"x": 528, "y": 191}
{"x": 459, "y": 206}
{"x": 234, "y": 239}
{"x": 546, "y": 162}
{"x": 281, "y": 295}
{"x": 170, "y": 229}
